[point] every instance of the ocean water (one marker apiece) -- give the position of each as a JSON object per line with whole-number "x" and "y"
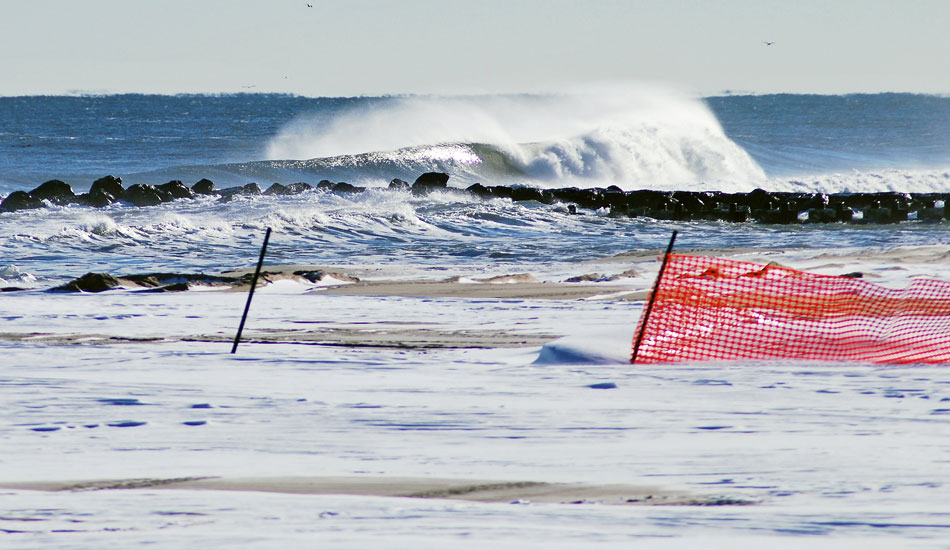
{"x": 635, "y": 138}
{"x": 832, "y": 455}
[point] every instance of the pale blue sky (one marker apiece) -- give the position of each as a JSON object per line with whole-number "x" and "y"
{"x": 367, "y": 47}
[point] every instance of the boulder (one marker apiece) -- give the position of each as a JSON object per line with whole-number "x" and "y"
{"x": 399, "y": 185}
{"x": 177, "y": 190}
{"x": 343, "y": 187}
{"x": 301, "y": 186}
{"x": 203, "y": 186}
{"x": 249, "y": 189}
{"x": 277, "y": 189}
{"x": 292, "y": 189}
{"x": 475, "y": 189}
{"x": 759, "y": 199}
{"x": 98, "y": 199}
{"x": 501, "y": 191}
{"x": 318, "y": 275}
{"x": 109, "y": 184}
{"x": 526, "y": 194}
{"x": 19, "y": 200}
{"x": 145, "y": 195}
{"x": 54, "y": 191}
{"x": 90, "y": 282}
{"x": 174, "y": 287}
{"x": 430, "y": 181}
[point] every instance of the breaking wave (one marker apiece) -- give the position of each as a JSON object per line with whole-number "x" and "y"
{"x": 630, "y": 137}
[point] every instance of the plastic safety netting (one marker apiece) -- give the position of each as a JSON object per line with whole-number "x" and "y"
{"x": 714, "y": 309}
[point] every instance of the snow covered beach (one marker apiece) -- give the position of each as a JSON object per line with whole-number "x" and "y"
{"x": 339, "y": 400}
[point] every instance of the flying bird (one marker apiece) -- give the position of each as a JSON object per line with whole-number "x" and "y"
{"x": 768, "y": 43}
{"x": 309, "y": 5}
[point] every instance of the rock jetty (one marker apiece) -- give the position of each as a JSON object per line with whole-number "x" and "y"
{"x": 756, "y": 206}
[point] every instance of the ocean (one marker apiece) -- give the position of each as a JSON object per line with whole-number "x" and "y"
{"x": 636, "y": 139}
{"x": 129, "y": 385}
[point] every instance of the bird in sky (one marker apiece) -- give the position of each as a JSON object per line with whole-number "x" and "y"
{"x": 766, "y": 43}
{"x": 309, "y": 5}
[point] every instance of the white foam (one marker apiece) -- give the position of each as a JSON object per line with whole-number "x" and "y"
{"x": 12, "y": 274}
{"x": 630, "y": 136}
{"x": 922, "y": 180}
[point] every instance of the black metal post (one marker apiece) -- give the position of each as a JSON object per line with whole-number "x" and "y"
{"x": 250, "y": 294}
{"x": 656, "y": 288}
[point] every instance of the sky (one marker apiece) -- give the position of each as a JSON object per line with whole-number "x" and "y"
{"x": 378, "y": 47}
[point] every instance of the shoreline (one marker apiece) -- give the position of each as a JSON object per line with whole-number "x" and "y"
{"x": 472, "y": 490}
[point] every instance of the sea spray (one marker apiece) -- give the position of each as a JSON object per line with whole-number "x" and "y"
{"x": 629, "y": 136}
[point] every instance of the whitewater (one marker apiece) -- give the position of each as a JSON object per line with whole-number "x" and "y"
{"x": 127, "y": 396}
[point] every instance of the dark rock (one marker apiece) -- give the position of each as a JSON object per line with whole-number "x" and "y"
{"x": 732, "y": 212}
{"x": 109, "y": 184}
{"x": 278, "y": 189}
{"x": 692, "y": 202}
{"x": 647, "y": 199}
{"x": 299, "y": 187}
{"x": 783, "y": 214}
{"x": 248, "y": 189}
{"x": 166, "y": 279}
{"x": 90, "y": 282}
{"x": 821, "y": 215}
{"x": 149, "y": 280}
{"x": 12, "y": 289}
{"x": 399, "y": 185}
{"x": 879, "y": 214}
{"x": 501, "y": 191}
{"x": 292, "y": 189}
{"x": 343, "y": 187}
{"x": 175, "y": 287}
{"x": 475, "y": 189}
{"x": 177, "y": 190}
{"x": 19, "y": 200}
{"x": 586, "y": 198}
{"x": 203, "y": 186}
{"x": 628, "y": 274}
{"x": 430, "y": 181}
{"x": 319, "y": 275}
{"x": 145, "y": 195}
{"x": 98, "y": 199}
{"x": 672, "y": 209}
{"x": 325, "y": 184}
{"x": 55, "y": 191}
{"x": 586, "y": 278}
{"x": 931, "y": 214}
{"x": 526, "y": 194}
{"x": 842, "y": 212}
{"x": 759, "y": 199}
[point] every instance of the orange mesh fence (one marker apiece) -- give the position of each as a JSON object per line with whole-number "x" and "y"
{"x": 714, "y": 309}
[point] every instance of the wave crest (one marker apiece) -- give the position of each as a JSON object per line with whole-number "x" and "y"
{"x": 631, "y": 137}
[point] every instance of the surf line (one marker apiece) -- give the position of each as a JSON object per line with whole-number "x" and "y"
{"x": 250, "y": 294}
{"x": 656, "y": 288}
